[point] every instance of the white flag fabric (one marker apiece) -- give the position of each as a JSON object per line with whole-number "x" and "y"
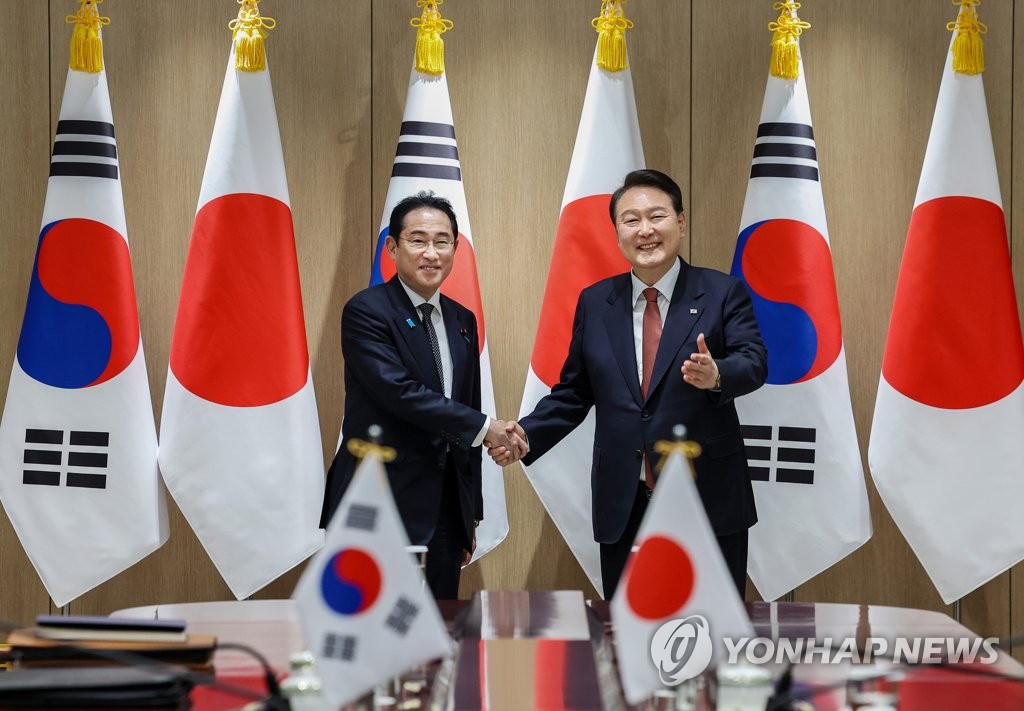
{"x": 675, "y": 574}
{"x": 366, "y": 613}
{"x": 427, "y": 158}
{"x": 78, "y": 471}
{"x": 607, "y": 147}
{"x": 946, "y": 445}
{"x": 812, "y": 504}
{"x": 239, "y": 439}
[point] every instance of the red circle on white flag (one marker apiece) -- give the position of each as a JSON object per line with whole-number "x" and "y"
{"x": 660, "y": 578}
{"x": 954, "y": 338}
{"x": 240, "y": 338}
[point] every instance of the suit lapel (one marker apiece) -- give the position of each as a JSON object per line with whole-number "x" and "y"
{"x": 618, "y": 321}
{"x": 683, "y": 313}
{"x": 408, "y": 324}
{"x": 458, "y": 343}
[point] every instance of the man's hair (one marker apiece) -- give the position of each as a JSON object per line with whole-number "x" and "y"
{"x": 424, "y": 198}
{"x": 648, "y": 178}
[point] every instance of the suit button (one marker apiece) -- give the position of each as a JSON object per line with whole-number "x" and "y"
{"x": 639, "y": 454}
{"x": 645, "y": 415}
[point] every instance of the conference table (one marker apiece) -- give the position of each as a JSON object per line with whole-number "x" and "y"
{"x": 551, "y": 650}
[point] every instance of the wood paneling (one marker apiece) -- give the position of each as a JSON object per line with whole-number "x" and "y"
{"x": 24, "y": 165}
{"x": 517, "y": 76}
{"x": 164, "y": 88}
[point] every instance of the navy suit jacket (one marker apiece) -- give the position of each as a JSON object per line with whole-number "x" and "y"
{"x": 601, "y": 371}
{"x": 391, "y": 381}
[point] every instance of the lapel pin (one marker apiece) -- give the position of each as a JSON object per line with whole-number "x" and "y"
{"x": 412, "y": 324}
{"x": 693, "y": 311}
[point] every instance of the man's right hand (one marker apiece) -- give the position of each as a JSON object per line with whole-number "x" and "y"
{"x": 510, "y": 447}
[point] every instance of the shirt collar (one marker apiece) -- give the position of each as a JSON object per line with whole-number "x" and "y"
{"x": 665, "y": 286}
{"x": 417, "y": 300}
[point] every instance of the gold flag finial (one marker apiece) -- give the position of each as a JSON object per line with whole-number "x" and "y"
{"x": 360, "y": 448}
{"x": 611, "y": 26}
{"x": 664, "y": 447}
{"x": 786, "y": 40}
{"x": 429, "y": 45}
{"x": 86, "y": 43}
{"x": 248, "y": 31}
{"x": 968, "y": 49}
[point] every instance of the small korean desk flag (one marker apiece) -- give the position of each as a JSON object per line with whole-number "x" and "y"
{"x": 427, "y": 158}
{"x": 240, "y": 438}
{"x": 366, "y": 613}
{"x": 676, "y": 598}
{"x": 946, "y": 440}
{"x": 78, "y": 475}
{"x": 607, "y": 147}
{"x": 812, "y": 504}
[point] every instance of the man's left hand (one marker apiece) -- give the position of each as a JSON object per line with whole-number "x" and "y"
{"x": 700, "y": 370}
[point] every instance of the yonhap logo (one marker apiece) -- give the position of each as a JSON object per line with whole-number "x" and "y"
{"x": 681, "y": 649}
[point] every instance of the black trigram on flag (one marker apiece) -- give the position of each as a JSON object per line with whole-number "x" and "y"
{"x": 788, "y": 452}
{"x": 362, "y": 517}
{"x": 84, "y": 149}
{"x": 402, "y": 615}
{"x": 339, "y": 646}
{"x": 427, "y": 150}
{"x": 45, "y": 458}
{"x": 785, "y": 150}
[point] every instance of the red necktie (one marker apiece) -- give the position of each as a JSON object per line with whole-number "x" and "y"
{"x": 651, "y": 339}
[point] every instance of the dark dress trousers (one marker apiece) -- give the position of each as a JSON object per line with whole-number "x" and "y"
{"x": 601, "y": 371}
{"x": 391, "y": 380}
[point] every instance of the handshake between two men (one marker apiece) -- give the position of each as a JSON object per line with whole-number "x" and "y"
{"x": 506, "y": 442}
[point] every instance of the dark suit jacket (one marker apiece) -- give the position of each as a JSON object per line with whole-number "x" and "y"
{"x": 391, "y": 381}
{"x": 601, "y": 371}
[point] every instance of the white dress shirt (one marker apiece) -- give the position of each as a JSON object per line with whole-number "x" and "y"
{"x": 665, "y": 286}
{"x": 437, "y": 319}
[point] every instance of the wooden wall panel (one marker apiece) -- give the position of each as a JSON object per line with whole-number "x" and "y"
{"x": 516, "y": 121}
{"x": 24, "y": 164}
{"x": 517, "y": 78}
{"x": 872, "y": 90}
{"x": 873, "y": 128}
{"x": 164, "y": 88}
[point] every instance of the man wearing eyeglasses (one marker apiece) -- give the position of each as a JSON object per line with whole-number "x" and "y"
{"x": 412, "y": 366}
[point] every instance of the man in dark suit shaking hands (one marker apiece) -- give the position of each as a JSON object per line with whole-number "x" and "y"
{"x": 663, "y": 344}
{"x": 412, "y": 366}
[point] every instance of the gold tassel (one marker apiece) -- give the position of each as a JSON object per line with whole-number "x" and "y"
{"x": 86, "y": 43}
{"x": 786, "y": 40}
{"x": 968, "y": 49}
{"x": 611, "y": 26}
{"x": 429, "y": 45}
{"x": 248, "y": 34}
